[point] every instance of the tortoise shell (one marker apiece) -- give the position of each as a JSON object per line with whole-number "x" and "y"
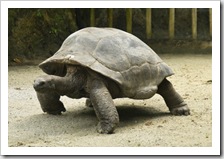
{"x": 115, "y": 54}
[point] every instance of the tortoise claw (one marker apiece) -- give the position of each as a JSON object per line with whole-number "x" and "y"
{"x": 56, "y": 112}
{"x": 182, "y": 110}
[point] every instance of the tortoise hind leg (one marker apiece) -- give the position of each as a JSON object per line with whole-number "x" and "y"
{"x": 173, "y": 100}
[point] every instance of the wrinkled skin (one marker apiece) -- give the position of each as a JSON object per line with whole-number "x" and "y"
{"x": 80, "y": 82}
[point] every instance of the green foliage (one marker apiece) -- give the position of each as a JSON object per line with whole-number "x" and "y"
{"x": 38, "y": 32}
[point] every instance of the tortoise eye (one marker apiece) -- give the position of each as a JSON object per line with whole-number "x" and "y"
{"x": 41, "y": 83}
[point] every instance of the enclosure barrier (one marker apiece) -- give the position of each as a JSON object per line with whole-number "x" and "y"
{"x": 149, "y": 21}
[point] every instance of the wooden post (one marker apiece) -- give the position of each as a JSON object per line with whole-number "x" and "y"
{"x": 171, "y": 23}
{"x": 92, "y": 17}
{"x": 194, "y": 23}
{"x": 129, "y": 19}
{"x": 110, "y": 17}
{"x": 210, "y": 22}
{"x": 148, "y": 23}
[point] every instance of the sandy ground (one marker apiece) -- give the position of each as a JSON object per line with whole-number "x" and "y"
{"x": 142, "y": 122}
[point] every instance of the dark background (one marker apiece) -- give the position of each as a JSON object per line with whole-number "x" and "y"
{"x": 38, "y": 33}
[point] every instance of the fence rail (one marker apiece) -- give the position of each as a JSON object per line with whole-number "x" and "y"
{"x": 148, "y": 22}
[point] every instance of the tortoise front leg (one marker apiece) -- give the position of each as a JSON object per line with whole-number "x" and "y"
{"x": 50, "y": 103}
{"x": 104, "y": 107}
{"x": 173, "y": 100}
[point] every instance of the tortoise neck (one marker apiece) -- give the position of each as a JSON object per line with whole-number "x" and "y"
{"x": 72, "y": 83}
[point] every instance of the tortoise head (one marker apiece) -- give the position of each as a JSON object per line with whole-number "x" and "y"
{"x": 44, "y": 84}
{"x": 72, "y": 84}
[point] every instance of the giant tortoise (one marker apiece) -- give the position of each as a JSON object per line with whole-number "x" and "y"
{"x": 102, "y": 64}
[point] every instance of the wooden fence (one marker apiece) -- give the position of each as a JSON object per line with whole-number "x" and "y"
{"x": 148, "y": 23}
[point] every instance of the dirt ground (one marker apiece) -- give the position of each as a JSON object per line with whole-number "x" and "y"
{"x": 144, "y": 123}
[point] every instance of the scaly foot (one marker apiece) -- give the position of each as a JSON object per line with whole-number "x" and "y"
{"x": 181, "y": 109}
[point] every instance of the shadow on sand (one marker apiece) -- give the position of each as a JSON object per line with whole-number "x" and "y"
{"x": 85, "y": 119}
